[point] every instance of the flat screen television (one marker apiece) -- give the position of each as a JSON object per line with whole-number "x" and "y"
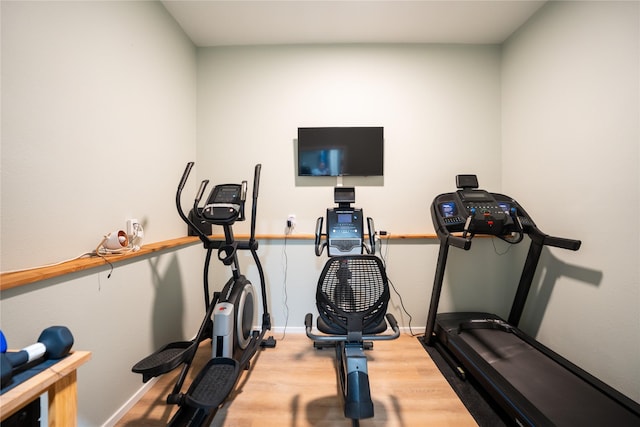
{"x": 340, "y": 151}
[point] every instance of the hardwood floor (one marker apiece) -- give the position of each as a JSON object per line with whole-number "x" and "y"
{"x": 295, "y": 385}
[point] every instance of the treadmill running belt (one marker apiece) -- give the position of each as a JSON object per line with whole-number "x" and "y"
{"x": 562, "y": 396}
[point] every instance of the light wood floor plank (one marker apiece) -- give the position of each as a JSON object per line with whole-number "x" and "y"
{"x": 296, "y": 385}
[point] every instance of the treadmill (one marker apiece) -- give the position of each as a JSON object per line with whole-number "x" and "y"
{"x": 533, "y": 385}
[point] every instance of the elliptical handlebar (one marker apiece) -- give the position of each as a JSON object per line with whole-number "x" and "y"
{"x": 185, "y": 218}
{"x": 196, "y": 202}
{"x": 243, "y": 198}
{"x": 203, "y": 185}
{"x": 185, "y": 176}
{"x": 254, "y": 203}
{"x": 256, "y": 180}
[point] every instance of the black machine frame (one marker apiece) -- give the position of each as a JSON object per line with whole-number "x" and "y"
{"x": 233, "y": 351}
{"x": 351, "y": 297}
{"x": 534, "y": 385}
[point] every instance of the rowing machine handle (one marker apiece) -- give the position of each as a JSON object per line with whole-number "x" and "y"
{"x": 372, "y": 235}
{"x": 392, "y": 321}
{"x": 308, "y": 321}
{"x": 319, "y": 245}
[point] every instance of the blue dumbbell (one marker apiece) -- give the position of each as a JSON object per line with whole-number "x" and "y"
{"x": 55, "y": 342}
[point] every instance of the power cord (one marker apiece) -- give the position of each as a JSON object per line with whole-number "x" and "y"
{"x": 497, "y": 251}
{"x": 285, "y": 296}
{"x": 384, "y": 262}
{"x": 84, "y": 255}
{"x": 133, "y": 245}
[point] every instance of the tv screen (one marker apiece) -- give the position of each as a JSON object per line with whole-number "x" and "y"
{"x": 340, "y": 151}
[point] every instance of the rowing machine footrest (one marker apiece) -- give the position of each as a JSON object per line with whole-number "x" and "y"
{"x": 164, "y": 360}
{"x": 358, "y": 403}
{"x": 213, "y": 384}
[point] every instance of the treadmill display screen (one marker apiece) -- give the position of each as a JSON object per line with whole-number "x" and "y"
{"x": 448, "y": 209}
{"x": 475, "y": 196}
{"x": 506, "y": 207}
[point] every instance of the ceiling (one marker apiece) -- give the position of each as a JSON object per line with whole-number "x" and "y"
{"x": 262, "y": 22}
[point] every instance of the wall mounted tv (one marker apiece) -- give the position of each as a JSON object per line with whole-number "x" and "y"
{"x": 340, "y": 151}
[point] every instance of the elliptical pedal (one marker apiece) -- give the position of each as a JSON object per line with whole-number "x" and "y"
{"x": 164, "y": 360}
{"x": 213, "y": 383}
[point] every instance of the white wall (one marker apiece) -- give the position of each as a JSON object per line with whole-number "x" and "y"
{"x": 435, "y": 103}
{"x": 571, "y": 114}
{"x": 440, "y": 108}
{"x": 98, "y": 121}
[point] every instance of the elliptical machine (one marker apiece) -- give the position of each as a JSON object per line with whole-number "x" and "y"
{"x": 352, "y": 297}
{"x": 229, "y": 314}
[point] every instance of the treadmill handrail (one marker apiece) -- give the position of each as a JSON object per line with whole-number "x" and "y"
{"x": 563, "y": 243}
{"x": 538, "y": 241}
{"x": 445, "y": 236}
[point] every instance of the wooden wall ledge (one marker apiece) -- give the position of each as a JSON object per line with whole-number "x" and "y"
{"x": 24, "y": 277}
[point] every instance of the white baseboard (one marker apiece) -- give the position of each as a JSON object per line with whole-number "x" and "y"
{"x": 122, "y": 411}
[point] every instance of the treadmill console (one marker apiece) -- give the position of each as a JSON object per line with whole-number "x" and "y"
{"x": 471, "y": 211}
{"x": 225, "y": 204}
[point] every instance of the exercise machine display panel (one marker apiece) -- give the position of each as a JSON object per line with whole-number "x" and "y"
{"x": 480, "y": 211}
{"x": 344, "y": 231}
{"x": 225, "y": 204}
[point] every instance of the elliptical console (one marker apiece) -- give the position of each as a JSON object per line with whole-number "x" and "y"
{"x": 225, "y": 204}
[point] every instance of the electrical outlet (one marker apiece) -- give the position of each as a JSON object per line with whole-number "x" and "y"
{"x": 291, "y": 221}
{"x": 132, "y": 227}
